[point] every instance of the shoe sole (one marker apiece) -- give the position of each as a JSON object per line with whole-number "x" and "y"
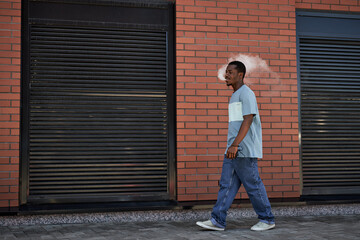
{"x": 258, "y": 230}
{"x": 200, "y": 224}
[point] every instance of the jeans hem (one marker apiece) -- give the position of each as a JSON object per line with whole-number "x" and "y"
{"x": 216, "y": 223}
{"x": 267, "y": 222}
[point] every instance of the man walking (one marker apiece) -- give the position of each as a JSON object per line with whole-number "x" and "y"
{"x": 244, "y": 147}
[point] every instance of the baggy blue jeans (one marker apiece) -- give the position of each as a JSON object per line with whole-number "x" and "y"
{"x": 235, "y": 172}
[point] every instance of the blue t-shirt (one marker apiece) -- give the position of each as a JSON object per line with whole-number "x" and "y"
{"x": 243, "y": 102}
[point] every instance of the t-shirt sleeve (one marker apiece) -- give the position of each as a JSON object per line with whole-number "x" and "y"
{"x": 249, "y": 105}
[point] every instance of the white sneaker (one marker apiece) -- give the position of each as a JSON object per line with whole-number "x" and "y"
{"x": 261, "y": 226}
{"x": 209, "y": 225}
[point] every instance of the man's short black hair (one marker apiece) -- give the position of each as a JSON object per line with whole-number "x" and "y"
{"x": 239, "y": 66}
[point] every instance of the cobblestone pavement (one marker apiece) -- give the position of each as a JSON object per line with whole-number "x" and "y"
{"x": 340, "y": 227}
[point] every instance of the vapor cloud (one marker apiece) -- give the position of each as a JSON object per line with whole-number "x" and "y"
{"x": 252, "y": 63}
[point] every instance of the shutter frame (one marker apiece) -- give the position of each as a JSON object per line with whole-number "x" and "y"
{"x": 329, "y": 141}
{"x": 54, "y": 129}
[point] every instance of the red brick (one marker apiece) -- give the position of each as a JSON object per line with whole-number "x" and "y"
{"x": 270, "y": 119}
{"x": 187, "y": 197}
{"x": 205, "y": 54}
{"x": 5, "y": 189}
{"x": 258, "y": 1}
{"x": 196, "y": 177}
{"x": 290, "y": 156}
{"x": 218, "y": 125}
{"x": 196, "y": 112}
{"x": 14, "y": 175}
{"x": 194, "y": 34}
{"x": 195, "y": 125}
{"x": 271, "y": 144}
{"x": 194, "y": 60}
{"x": 281, "y": 112}
{"x": 258, "y": 12}
{"x": 349, "y": 2}
{"x": 4, "y": 132}
{"x": 10, "y": 12}
{"x": 239, "y": 24}
{"x": 206, "y": 15}
{"x": 185, "y": 40}
{"x": 269, "y": 19}
{"x": 185, "y": 2}
{"x": 206, "y": 105}
{"x": 208, "y": 158}
{"x": 291, "y": 169}
{"x": 207, "y": 132}
{"x": 186, "y": 27}
{"x": 207, "y": 196}
{"x": 206, "y": 3}
{"x": 8, "y": 196}
{"x": 186, "y": 144}
{"x": 272, "y": 8}
{"x": 208, "y": 170}
{"x": 226, "y": 17}
{"x": 270, "y": 106}
{"x": 282, "y": 188}
{"x": 195, "y": 138}
{"x": 8, "y": 182}
{"x": 237, "y": 11}
{"x": 186, "y": 105}
{"x": 4, "y": 160}
{"x": 4, "y": 146}
{"x": 242, "y": 5}
{"x": 271, "y": 131}
{"x": 207, "y": 145}
{"x": 186, "y": 158}
{"x": 184, "y": 15}
{"x": 355, "y": 8}
{"x": 259, "y": 38}
{"x": 185, "y": 53}
{"x": 195, "y": 73}
{"x": 5, "y": 19}
{"x": 207, "y": 183}
{"x": 281, "y": 150}
{"x": 196, "y": 164}
{"x": 206, "y": 118}
{"x": 216, "y": 10}
{"x": 271, "y": 170}
{"x": 227, "y": 29}
{"x": 195, "y": 99}
{"x": 206, "y": 66}
{"x": 186, "y": 131}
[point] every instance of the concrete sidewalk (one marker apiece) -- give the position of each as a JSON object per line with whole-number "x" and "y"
{"x": 330, "y": 222}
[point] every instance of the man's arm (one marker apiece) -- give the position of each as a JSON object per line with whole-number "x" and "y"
{"x": 244, "y": 128}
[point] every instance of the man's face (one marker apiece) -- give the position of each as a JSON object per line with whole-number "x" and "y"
{"x": 232, "y": 75}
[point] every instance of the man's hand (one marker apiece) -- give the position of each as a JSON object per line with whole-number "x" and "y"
{"x": 231, "y": 152}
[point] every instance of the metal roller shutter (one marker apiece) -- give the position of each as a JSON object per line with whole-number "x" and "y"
{"x": 330, "y": 115}
{"x": 99, "y": 123}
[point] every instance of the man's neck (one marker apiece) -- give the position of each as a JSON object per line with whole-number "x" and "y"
{"x": 238, "y": 85}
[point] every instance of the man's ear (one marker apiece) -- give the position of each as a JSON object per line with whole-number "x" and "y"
{"x": 241, "y": 75}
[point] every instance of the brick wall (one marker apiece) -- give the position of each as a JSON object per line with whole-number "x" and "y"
{"x": 10, "y": 24}
{"x": 333, "y": 5}
{"x": 208, "y": 32}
